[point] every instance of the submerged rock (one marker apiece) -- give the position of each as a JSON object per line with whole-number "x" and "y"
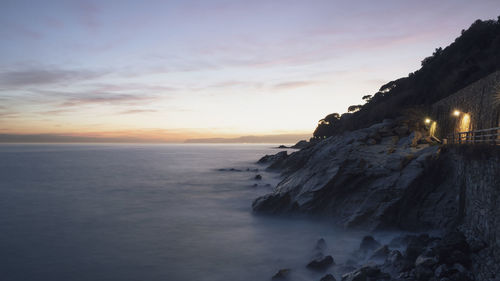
{"x": 282, "y": 274}
{"x": 321, "y": 263}
{"x": 230, "y": 170}
{"x": 320, "y": 245}
{"x": 273, "y": 158}
{"x": 369, "y": 244}
{"x": 380, "y": 253}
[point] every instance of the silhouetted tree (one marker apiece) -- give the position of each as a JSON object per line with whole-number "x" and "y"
{"x": 367, "y": 98}
{"x": 354, "y": 108}
{"x": 326, "y": 125}
{"x": 332, "y": 117}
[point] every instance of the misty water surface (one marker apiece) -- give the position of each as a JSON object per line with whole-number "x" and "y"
{"x": 147, "y": 212}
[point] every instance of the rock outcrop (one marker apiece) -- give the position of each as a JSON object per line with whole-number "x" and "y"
{"x": 274, "y": 160}
{"x": 321, "y": 263}
{"x": 301, "y": 144}
{"x": 357, "y": 177}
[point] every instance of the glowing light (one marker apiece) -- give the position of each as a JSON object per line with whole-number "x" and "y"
{"x": 464, "y": 124}
{"x": 456, "y": 113}
{"x": 427, "y": 121}
{"x": 432, "y": 129}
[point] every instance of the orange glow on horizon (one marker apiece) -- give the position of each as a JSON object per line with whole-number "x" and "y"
{"x": 152, "y": 135}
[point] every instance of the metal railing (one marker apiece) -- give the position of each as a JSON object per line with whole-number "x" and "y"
{"x": 485, "y": 136}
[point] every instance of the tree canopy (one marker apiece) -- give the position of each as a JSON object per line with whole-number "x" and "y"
{"x": 472, "y": 56}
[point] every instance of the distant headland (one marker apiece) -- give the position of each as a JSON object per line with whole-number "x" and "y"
{"x": 282, "y": 138}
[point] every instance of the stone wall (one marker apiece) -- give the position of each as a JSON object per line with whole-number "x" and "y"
{"x": 477, "y": 99}
{"x": 459, "y": 189}
{"x": 481, "y": 208}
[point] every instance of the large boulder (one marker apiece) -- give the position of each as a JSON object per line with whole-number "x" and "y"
{"x": 321, "y": 263}
{"x": 271, "y": 158}
{"x": 368, "y": 244}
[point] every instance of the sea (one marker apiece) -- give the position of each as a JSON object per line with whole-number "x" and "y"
{"x": 172, "y": 212}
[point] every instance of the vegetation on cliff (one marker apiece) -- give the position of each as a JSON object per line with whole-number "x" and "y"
{"x": 473, "y": 55}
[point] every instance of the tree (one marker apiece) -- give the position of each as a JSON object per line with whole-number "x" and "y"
{"x": 367, "y": 98}
{"x": 326, "y": 126}
{"x": 354, "y": 108}
{"x": 437, "y": 52}
{"x": 331, "y": 118}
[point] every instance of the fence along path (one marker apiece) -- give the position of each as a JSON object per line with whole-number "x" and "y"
{"x": 484, "y": 136}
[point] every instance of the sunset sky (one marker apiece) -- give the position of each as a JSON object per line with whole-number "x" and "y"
{"x": 171, "y": 70}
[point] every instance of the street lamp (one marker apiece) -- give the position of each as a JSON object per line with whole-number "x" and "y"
{"x": 456, "y": 113}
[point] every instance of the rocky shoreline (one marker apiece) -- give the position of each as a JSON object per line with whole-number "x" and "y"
{"x": 393, "y": 176}
{"x": 357, "y": 177}
{"x": 406, "y": 257}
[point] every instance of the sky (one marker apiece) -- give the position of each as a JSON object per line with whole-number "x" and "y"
{"x": 175, "y": 70}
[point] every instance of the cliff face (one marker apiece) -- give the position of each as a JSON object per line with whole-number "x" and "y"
{"x": 470, "y": 178}
{"x": 477, "y": 170}
{"x": 376, "y": 178}
{"x": 358, "y": 177}
{"x": 385, "y": 177}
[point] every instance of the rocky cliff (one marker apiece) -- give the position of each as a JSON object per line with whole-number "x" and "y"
{"x": 358, "y": 177}
{"x": 390, "y": 176}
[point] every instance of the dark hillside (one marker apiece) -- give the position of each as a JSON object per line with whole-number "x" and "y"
{"x": 473, "y": 55}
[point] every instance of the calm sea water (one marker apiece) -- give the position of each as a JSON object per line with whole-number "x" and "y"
{"x": 147, "y": 212}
